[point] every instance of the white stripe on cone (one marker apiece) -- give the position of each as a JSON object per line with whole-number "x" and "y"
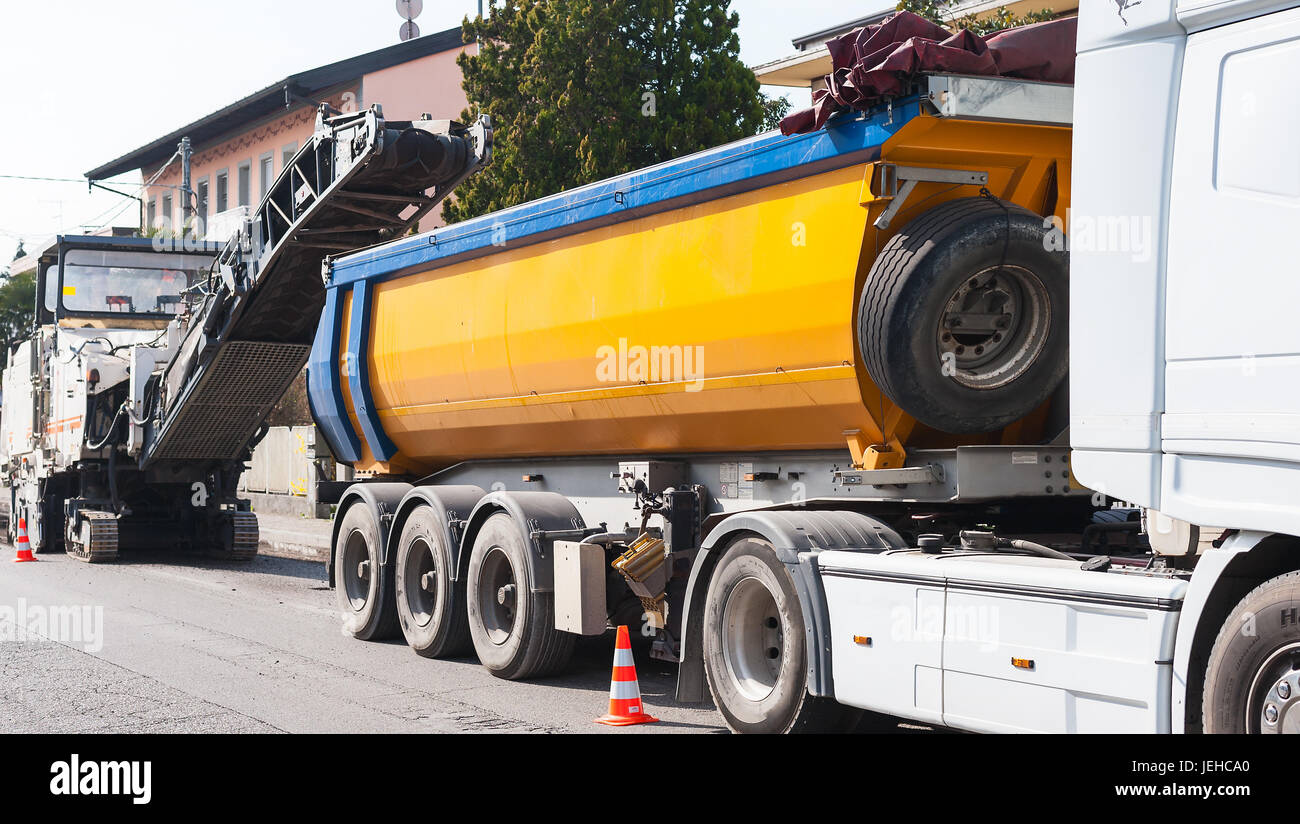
{"x": 624, "y": 690}
{"x": 623, "y": 658}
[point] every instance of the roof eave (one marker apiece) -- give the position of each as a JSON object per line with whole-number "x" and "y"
{"x": 300, "y": 84}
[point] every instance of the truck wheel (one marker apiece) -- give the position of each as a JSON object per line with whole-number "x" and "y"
{"x": 962, "y": 320}
{"x": 513, "y": 628}
{"x": 754, "y": 648}
{"x": 1252, "y": 679}
{"x": 365, "y": 586}
{"x": 430, "y": 605}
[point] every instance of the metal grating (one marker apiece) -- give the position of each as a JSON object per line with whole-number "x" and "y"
{"x": 232, "y": 398}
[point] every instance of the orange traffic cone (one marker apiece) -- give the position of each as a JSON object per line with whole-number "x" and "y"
{"x": 24, "y": 546}
{"x": 624, "y": 692}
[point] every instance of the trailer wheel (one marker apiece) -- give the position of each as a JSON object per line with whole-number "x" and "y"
{"x": 365, "y": 585}
{"x": 962, "y": 320}
{"x": 755, "y": 654}
{"x": 430, "y": 605}
{"x": 1252, "y": 678}
{"x": 513, "y": 628}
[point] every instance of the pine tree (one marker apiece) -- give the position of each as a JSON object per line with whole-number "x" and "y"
{"x": 581, "y": 90}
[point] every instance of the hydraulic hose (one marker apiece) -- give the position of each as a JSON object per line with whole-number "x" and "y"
{"x": 111, "y": 426}
{"x": 1035, "y": 549}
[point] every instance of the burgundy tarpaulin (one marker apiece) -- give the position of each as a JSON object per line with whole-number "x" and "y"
{"x": 876, "y": 62}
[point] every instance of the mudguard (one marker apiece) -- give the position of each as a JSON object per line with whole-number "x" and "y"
{"x": 452, "y": 506}
{"x": 1222, "y": 576}
{"x": 383, "y": 498}
{"x": 543, "y": 518}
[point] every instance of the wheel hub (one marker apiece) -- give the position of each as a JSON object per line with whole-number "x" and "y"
{"x": 1274, "y": 703}
{"x": 421, "y": 582}
{"x": 496, "y": 589}
{"x": 752, "y": 639}
{"x": 355, "y": 570}
{"x": 994, "y": 327}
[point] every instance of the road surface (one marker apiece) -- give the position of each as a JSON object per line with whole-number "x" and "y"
{"x": 190, "y": 645}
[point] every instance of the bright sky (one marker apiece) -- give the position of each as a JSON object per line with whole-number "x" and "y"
{"x": 89, "y": 80}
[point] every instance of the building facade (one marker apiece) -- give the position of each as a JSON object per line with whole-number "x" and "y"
{"x": 239, "y": 150}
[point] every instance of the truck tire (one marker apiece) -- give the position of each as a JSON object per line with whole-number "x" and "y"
{"x": 430, "y": 604}
{"x": 513, "y": 628}
{"x": 755, "y": 655}
{"x": 364, "y": 589}
{"x": 962, "y": 321}
{"x": 1257, "y": 650}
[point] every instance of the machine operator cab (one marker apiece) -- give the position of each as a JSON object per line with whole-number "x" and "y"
{"x": 102, "y": 309}
{"x": 96, "y": 298}
{"x": 117, "y": 283}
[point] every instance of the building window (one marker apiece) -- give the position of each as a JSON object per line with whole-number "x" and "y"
{"x": 167, "y": 211}
{"x": 152, "y": 213}
{"x": 223, "y": 191}
{"x": 286, "y": 155}
{"x": 201, "y": 204}
{"x": 245, "y": 182}
{"x": 267, "y": 165}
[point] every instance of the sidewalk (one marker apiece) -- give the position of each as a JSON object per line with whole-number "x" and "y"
{"x": 291, "y": 536}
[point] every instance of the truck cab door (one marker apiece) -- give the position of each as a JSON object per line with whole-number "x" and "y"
{"x": 1231, "y": 424}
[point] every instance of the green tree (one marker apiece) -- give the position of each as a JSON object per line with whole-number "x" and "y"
{"x": 581, "y": 90}
{"x": 938, "y": 11}
{"x": 17, "y": 302}
{"x": 292, "y": 408}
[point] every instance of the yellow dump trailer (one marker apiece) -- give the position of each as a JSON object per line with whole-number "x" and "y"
{"x": 709, "y": 304}
{"x": 619, "y": 404}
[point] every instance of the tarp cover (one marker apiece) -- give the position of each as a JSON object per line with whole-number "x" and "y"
{"x": 876, "y": 62}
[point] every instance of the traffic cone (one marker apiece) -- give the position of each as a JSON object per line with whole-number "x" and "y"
{"x": 624, "y": 692}
{"x": 24, "y": 546}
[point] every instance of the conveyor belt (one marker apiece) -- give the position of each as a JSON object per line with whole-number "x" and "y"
{"x": 361, "y": 180}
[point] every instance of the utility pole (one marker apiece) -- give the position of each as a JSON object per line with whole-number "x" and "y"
{"x": 186, "y": 208}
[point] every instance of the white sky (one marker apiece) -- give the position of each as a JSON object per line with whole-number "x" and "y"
{"x": 87, "y": 80}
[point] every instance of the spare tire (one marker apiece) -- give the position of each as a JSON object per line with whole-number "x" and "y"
{"x": 963, "y": 319}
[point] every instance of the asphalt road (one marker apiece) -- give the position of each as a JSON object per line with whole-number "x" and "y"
{"x": 191, "y": 645}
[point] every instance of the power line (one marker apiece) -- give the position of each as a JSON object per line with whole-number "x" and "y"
{"x": 84, "y": 180}
{"x": 110, "y": 214}
{"x": 105, "y": 221}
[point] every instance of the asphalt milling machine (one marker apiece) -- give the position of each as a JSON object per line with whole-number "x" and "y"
{"x": 130, "y": 410}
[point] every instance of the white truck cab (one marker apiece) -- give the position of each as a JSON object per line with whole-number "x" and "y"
{"x": 1184, "y": 405}
{"x": 1185, "y": 402}
{"x": 1185, "y": 365}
